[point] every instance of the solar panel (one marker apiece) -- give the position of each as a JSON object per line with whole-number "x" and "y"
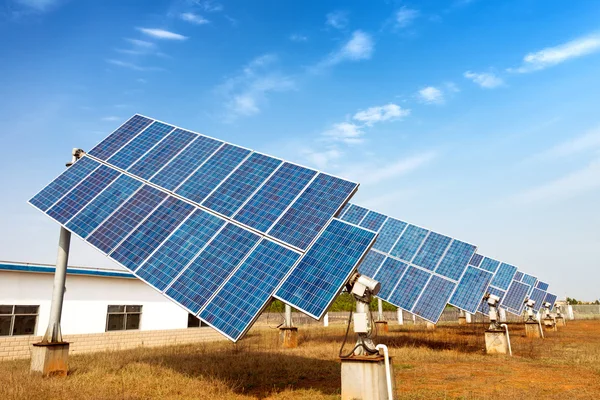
{"x": 208, "y": 223}
{"x": 471, "y": 289}
{"x": 419, "y": 270}
{"x": 550, "y": 298}
{"x": 504, "y": 276}
{"x": 515, "y": 296}
{"x": 343, "y": 246}
{"x": 538, "y": 296}
{"x": 529, "y": 280}
{"x": 542, "y": 285}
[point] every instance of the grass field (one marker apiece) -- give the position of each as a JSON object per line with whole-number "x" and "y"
{"x": 448, "y": 362}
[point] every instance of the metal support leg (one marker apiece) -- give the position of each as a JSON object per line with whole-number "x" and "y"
{"x": 53, "y": 333}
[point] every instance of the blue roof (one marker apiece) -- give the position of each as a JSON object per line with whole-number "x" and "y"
{"x": 48, "y": 269}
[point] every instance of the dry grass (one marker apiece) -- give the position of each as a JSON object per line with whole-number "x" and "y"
{"x": 446, "y": 363}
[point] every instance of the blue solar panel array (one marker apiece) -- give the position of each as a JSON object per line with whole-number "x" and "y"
{"x": 217, "y": 228}
{"x": 419, "y": 270}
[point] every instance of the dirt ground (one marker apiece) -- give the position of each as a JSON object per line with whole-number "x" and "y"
{"x": 446, "y": 363}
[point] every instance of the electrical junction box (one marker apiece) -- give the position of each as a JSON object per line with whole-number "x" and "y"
{"x": 361, "y": 322}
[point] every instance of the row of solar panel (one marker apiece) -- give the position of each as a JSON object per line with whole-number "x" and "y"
{"x": 420, "y": 270}
{"x": 285, "y": 201}
{"x": 198, "y": 259}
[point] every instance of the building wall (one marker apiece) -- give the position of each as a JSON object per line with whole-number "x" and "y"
{"x": 87, "y": 299}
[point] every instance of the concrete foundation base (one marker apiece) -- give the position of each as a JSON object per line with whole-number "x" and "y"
{"x": 496, "y": 342}
{"x": 382, "y": 326}
{"x": 462, "y": 320}
{"x": 288, "y": 337}
{"x": 560, "y": 321}
{"x": 549, "y": 324}
{"x": 430, "y": 326}
{"x": 532, "y": 329}
{"x": 363, "y": 377}
{"x": 50, "y": 359}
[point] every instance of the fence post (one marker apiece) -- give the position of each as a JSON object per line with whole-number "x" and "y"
{"x": 326, "y": 320}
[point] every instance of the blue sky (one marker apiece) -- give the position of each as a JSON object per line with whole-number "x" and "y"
{"x": 477, "y": 119}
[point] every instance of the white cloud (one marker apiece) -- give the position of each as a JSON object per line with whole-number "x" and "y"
{"x": 345, "y": 132}
{"x": 431, "y": 95}
{"x": 246, "y": 92}
{"x": 588, "y": 142}
{"x": 141, "y": 80}
{"x": 380, "y": 113}
{"x": 298, "y": 38}
{"x": 209, "y": 6}
{"x": 141, "y": 43}
{"x": 194, "y": 18}
{"x": 551, "y": 56}
{"x": 162, "y": 34}
{"x": 405, "y": 17}
{"x": 568, "y": 186}
{"x": 130, "y": 65}
{"x": 359, "y": 47}
{"x": 111, "y": 118}
{"x": 337, "y": 19}
{"x": 373, "y": 174}
{"x": 322, "y": 159}
{"x": 486, "y": 80}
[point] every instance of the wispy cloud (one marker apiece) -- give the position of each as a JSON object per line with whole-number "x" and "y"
{"x": 161, "y": 34}
{"x": 39, "y": 5}
{"x": 132, "y": 66}
{"x": 337, "y": 19}
{"x": 141, "y": 43}
{"x": 208, "y": 6}
{"x": 431, "y": 95}
{"x": 322, "y": 158}
{"x": 375, "y": 173}
{"x": 345, "y": 132}
{"x": 193, "y": 18}
{"x": 551, "y": 56}
{"x": 376, "y": 114}
{"x": 586, "y": 143}
{"x": 486, "y": 80}
{"x": 111, "y": 118}
{"x": 359, "y": 47}
{"x": 571, "y": 185}
{"x": 298, "y": 38}
{"x": 247, "y": 92}
{"x": 405, "y": 17}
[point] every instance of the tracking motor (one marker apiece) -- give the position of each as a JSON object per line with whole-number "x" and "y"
{"x": 529, "y": 304}
{"x": 492, "y": 301}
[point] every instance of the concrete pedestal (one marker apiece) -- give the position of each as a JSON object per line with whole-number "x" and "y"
{"x": 288, "y": 337}
{"x": 363, "y": 377}
{"x": 560, "y": 321}
{"x": 430, "y": 326}
{"x": 496, "y": 342}
{"x": 50, "y": 359}
{"x": 462, "y": 320}
{"x": 549, "y": 324}
{"x": 382, "y": 326}
{"x": 532, "y": 329}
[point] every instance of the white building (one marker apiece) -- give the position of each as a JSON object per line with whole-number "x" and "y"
{"x": 97, "y": 301}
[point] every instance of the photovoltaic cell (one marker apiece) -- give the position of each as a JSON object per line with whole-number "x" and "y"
{"x": 133, "y": 150}
{"x": 388, "y": 274}
{"x": 180, "y": 249}
{"x": 504, "y": 276}
{"x": 309, "y": 214}
{"x": 518, "y": 276}
{"x": 355, "y": 214}
{"x": 371, "y": 263}
{"x": 490, "y": 265}
{"x": 471, "y": 288}
{"x": 409, "y": 243}
{"x": 82, "y": 194}
{"x": 246, "y": 293}
{"x": 210, "y": 174}
{"x": 105, "y": 149}
{"x": 263, "y": 209}
{"x": 316, "y": 280}
{"x": 156, "y": 158}
{"x": 432, "y": 302}
{"x": 236, "y": 189}
{"x": 114, "y": 229}
{"x": 64, "y": 183}
{"x": 530, "y": 280}
{"x": 456, "y": 259}
{"x": 432, "y": 251}
{"x": 151, "y": 233}
{"x": 389, "y": 233}
{"x": 542, "y": 285}
{"x": 102, "y": 206}
{"x": 476, "y": 260}
{"x": 409, "y": 288}
{"x": 194, "y": 287}
{"x": 373, "y": 221}
{"x": 343, "y": 211}
{"x": 182, "y": 166}
{"x": 515, "y": 296}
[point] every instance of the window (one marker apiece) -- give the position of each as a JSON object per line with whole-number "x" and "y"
{"x": 123, "y": 318}
{"x": 194, "y": 322}
{"x": 18, "y": 320}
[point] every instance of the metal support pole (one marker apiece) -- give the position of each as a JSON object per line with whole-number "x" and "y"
{"x": 379, "y": 310}
{"x": 53, "y": 333}
{"x": 400, "y": 316}
{"x": 288, "y": 316}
